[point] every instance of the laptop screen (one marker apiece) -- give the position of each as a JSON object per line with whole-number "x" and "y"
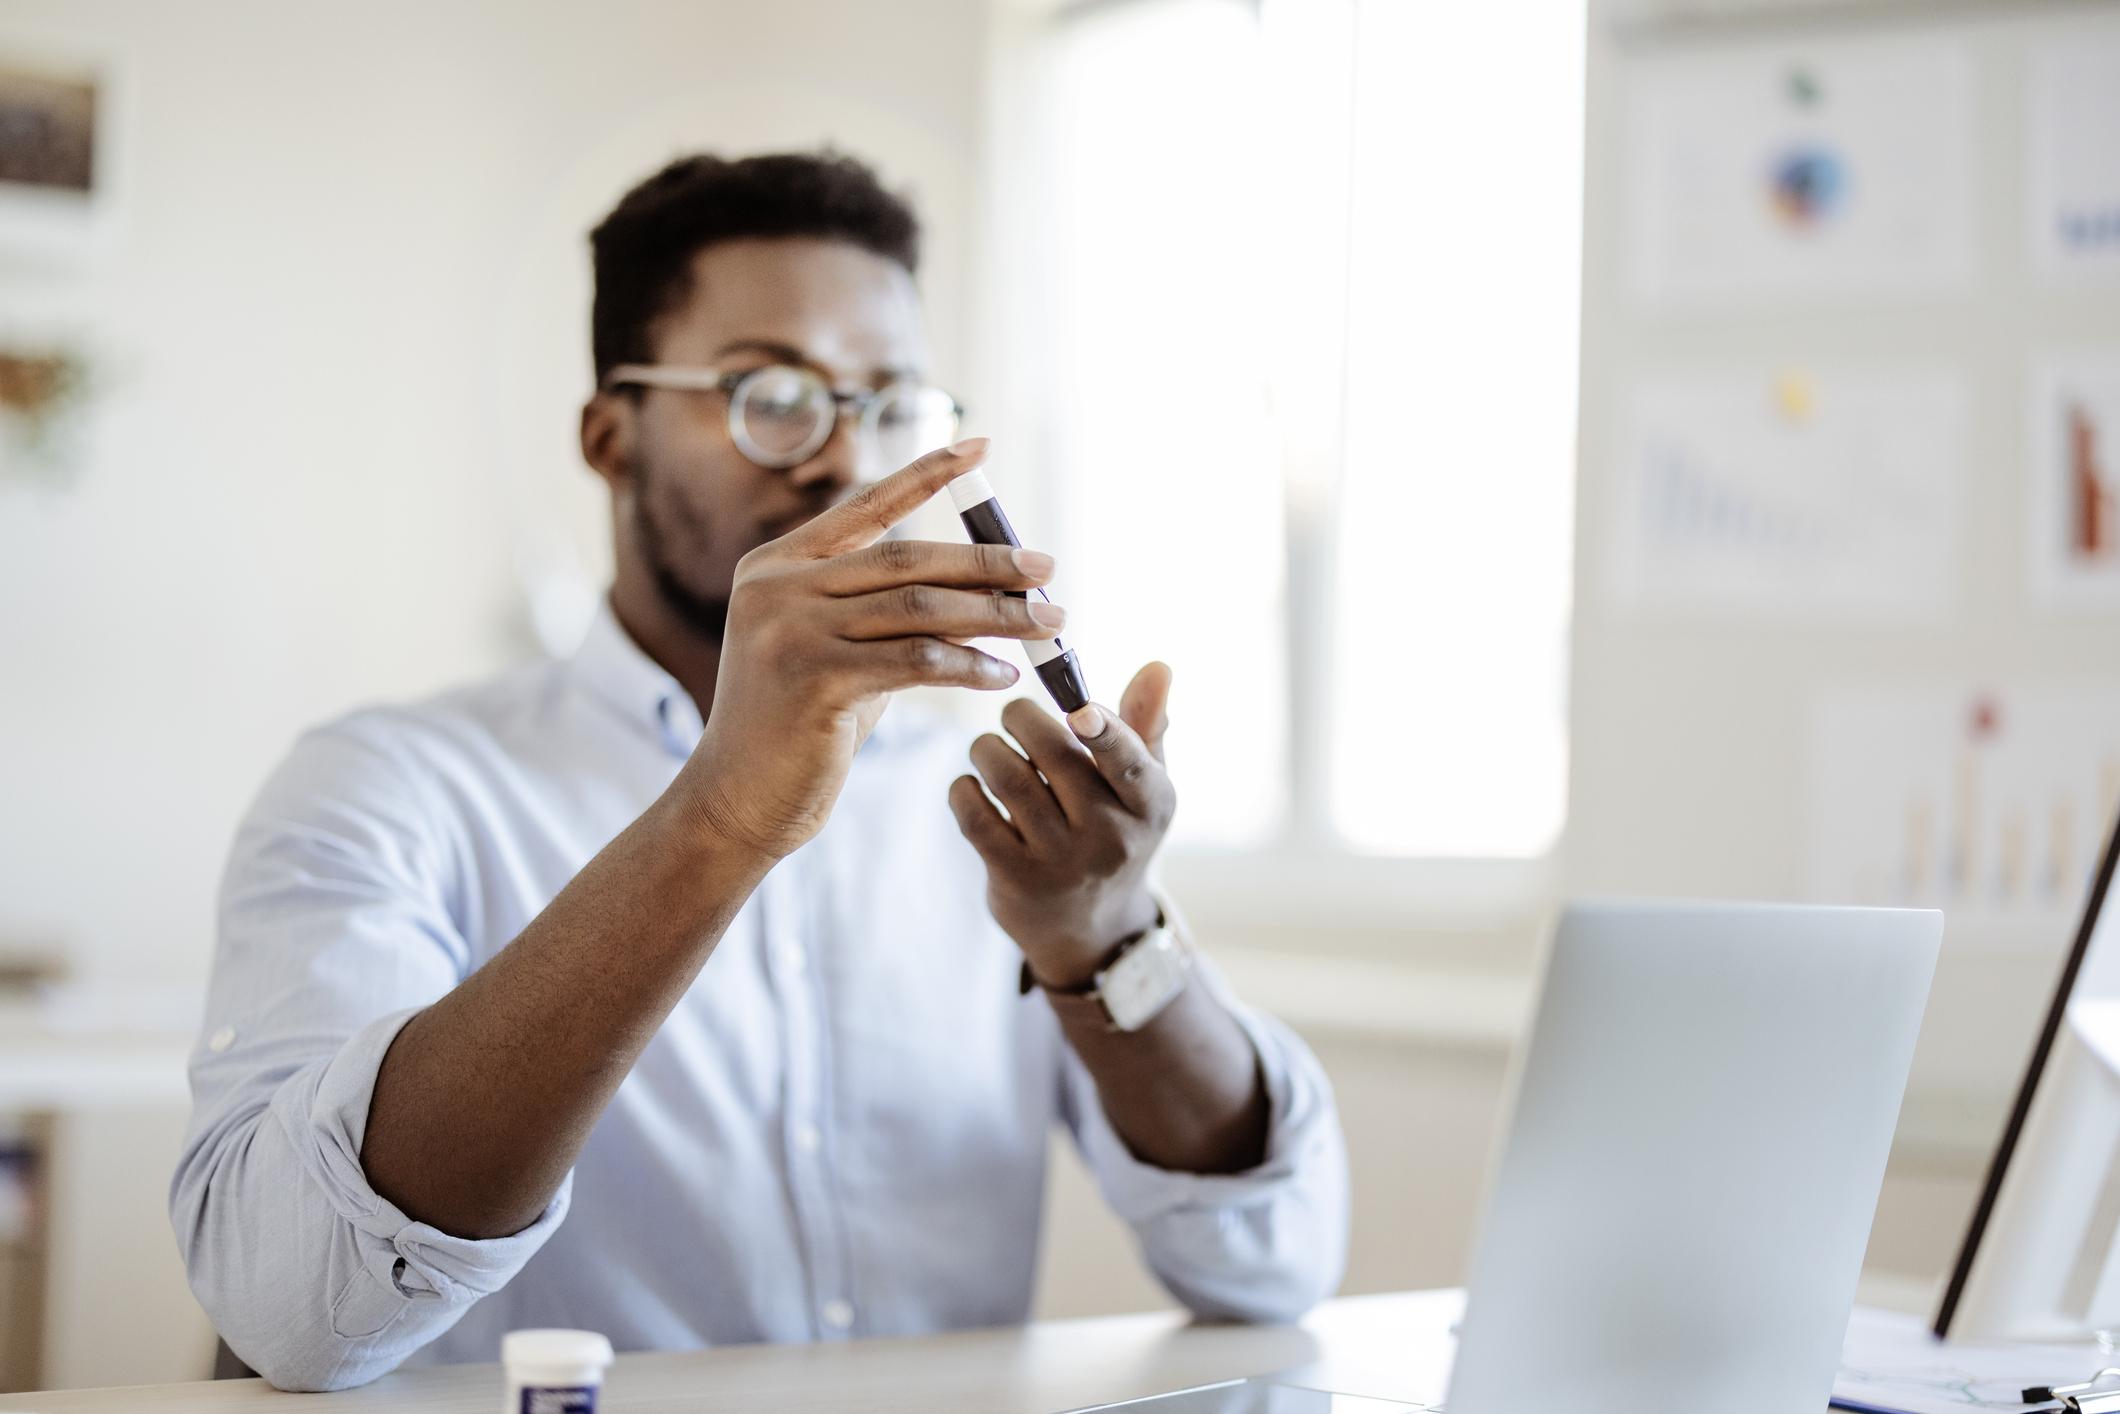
{"x": 2093, "y": 967}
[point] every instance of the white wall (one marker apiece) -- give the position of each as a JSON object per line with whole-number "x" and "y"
{"x": 1690, "y": 736}
{"x": 1690, "y": 739}
{"x": 342, "y": 322}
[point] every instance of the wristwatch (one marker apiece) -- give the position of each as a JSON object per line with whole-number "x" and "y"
{"x": 1145, "y": 973}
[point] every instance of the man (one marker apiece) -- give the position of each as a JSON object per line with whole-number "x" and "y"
{"x": 672, "y": 990}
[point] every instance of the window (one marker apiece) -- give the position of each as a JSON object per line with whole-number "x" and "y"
{"x": 1291, "y": 290}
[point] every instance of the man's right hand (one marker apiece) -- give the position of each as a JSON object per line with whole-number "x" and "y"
{"x": 824, "y": 624}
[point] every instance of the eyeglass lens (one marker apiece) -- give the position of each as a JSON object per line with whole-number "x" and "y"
{"x": 779, "y": 416}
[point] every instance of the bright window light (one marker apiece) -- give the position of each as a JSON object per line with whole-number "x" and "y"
{"x": 1454, "y": 553}
{"x": 1300, "y": 293}
{"x": 1158, "y": 435}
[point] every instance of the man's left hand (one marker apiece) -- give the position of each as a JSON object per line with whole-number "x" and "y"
{"x": 1087, "y": 804}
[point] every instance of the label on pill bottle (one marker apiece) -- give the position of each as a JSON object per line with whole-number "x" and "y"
{"x": 547, "y": 1399}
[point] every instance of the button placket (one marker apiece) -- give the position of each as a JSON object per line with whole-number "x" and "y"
{"x": 809, "y": 1180}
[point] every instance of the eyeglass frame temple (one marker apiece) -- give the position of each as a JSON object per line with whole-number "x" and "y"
{"x": 676, "y": 379}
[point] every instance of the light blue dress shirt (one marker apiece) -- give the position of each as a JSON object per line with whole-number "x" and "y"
{"x": 840, "y": 1131}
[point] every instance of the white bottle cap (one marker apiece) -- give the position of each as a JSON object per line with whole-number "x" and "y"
{"x": 555, "y": 1357}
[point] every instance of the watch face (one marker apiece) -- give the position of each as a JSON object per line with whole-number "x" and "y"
{"x": 1145, "y": 978}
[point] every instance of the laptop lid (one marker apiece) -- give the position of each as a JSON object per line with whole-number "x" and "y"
{"x": 1700, "y": 1129}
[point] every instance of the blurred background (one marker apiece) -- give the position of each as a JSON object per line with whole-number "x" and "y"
{"x": 1663, "y": 447}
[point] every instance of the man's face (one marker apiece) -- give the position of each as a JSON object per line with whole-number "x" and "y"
{"x": 696, "y": 503}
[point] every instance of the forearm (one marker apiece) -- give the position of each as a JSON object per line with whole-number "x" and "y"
{"x": 1262, "y": 1244}
{"x": 485, "y": 1099}
{"x": 1186, "y": 1091}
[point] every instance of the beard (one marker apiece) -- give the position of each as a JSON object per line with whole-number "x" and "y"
{"x": 705, "y": 614}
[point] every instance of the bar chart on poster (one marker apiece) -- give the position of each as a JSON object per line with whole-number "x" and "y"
{"x": 2075, "y": 524}
{"x": 1790, "y": 489}
{"x": 1992, "y": 805}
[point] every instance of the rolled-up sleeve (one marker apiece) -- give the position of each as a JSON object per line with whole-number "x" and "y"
{"x": 336, "y": 927}
{"x": 1263, "y": 1245}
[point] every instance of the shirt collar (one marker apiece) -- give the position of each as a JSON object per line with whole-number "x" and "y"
{"x": 616, "y": 669}
{"x": 619, "y": 671}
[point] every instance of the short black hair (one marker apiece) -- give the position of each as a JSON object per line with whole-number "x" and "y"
{"x": 642, "y": 252}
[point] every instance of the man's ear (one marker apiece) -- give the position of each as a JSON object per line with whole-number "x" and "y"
{"x": 607, "y": 437}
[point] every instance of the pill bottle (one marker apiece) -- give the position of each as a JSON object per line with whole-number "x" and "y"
{"x": 554, "y": 1372}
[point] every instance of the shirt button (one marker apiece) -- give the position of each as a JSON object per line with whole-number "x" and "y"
{"x": 838, "y": 1314}
{"x": 221, "y": 1040}
{"x": 792, "y": 959}
{"x": 807, "y": 1138}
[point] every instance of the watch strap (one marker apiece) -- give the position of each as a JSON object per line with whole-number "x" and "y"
{"x": 1085, "y": 1006}
{"x": 1085, "y": 1002}
{"x": 1027, "y": 982}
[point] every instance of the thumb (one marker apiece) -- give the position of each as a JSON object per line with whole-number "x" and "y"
{"x": 1142, "y": 705}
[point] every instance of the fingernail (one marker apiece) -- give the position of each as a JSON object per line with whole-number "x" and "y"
{"x": 1051, "y": 615}
{"x": 969, "y": 447}
{"x": 1035, "y": 563}
{"x": 1087, "y": 721}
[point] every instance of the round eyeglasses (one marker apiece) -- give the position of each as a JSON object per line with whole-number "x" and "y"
{"x": 781, "y": 414}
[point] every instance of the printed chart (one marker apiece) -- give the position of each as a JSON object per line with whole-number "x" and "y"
{"x": 1890, "y": 1362}
{"x": 1789, "y": 492}
{"x": 2075, "y": 525}
{"x": 2074, "y": 160}
{"x": 1833, "y": 170}
{"x": 1991, "y": 805}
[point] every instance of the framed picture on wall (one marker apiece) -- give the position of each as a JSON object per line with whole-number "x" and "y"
{"x": 2073, "y": 163}
{"x": 57, "y": 151}
{"x": 2075, "y": 510}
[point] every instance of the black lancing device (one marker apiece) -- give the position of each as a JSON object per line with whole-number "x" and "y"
{"x": 987, "y": 524}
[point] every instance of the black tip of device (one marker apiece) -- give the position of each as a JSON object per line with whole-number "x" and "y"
{"x": 1063, "y": 679}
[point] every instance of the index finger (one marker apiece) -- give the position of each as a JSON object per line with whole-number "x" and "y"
{"x": 862, "y": 518}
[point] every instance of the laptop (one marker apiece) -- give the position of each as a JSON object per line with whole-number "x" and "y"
{"x": 1699, "y": 1134}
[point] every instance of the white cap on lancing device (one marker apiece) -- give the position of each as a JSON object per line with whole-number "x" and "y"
{"x": 987, "y": 524}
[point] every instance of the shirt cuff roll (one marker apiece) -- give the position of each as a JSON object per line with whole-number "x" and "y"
{"x": 1301, "y": 1131}
{"x": 325, "y": 1115}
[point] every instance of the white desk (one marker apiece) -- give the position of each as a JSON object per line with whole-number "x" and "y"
{"x": 1037, "y": 1369}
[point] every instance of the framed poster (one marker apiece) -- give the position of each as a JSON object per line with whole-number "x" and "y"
{"x": 1824, "y": 170}
{"x": 58, "y": 152}
{"x": 2074, "y": 161}
{"x": 2074, "y": 550}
